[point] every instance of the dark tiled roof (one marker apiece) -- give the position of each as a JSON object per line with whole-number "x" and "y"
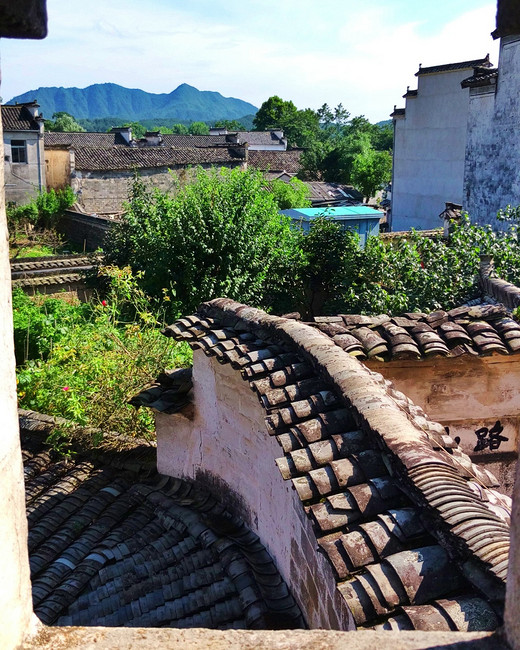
{"x": 187, "y": 141}
{"x": 462, "y": 65}
{"x": 398, "y": 112}
{"x": 18, "y": 118}
{"x": 119, "y": 158}
{"x": 481, "y": 77}
{"x": 475, "y": 330}
{"x": 276, "y": 161}
{"x": 113, "y": 543}
{"x": 410, "y": 93}
{"x": 58, "y": 139}
{"x": 508, "y": 18}
{"x": 333, "y": 193}
{"x": 259, "y": 137}
{"x": 415, "y": 537}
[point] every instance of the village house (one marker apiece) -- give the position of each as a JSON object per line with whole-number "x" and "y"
{"x": 24, "y": 166}
{"x": 430, "y": 145}
{"x": 99, "y": 166}
{"x": 458, "y": 139}
{"x": 413, "y": 534}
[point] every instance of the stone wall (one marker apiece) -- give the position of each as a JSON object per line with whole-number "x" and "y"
{"x": 468, "y": 394}
{"x": 226, "y": 437}
{"x": 491, "y": 178}
{"x": 86, "y": 230}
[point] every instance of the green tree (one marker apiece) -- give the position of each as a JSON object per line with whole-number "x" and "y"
{"x": 63, "y": 122}
{"x": 180, "y": 129}
{"x": 294, "y": 194}
{"x": 220, "y": 235}
{"x": 371, "y": 170}
{"x": 199, "y": 128}
{"x": 300, "y": 127}
{"x": 230, "y": 125}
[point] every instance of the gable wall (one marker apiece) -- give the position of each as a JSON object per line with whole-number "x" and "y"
{"x": 24, "y": 180}
{"x": 429, "y": 150}
{"x": 228, "y": 438}
{"x": 493, "y": 155}
{"x": 467, "y": 394}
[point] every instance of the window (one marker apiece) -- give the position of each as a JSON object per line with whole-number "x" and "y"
{"x": 18, "y": 151}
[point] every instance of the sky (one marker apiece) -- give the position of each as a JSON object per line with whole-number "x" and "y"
{"x": 361, "y": 53}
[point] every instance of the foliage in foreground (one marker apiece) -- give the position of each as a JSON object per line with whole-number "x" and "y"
{"x": 84, "y": 362}
{"x": 221, "y": 235}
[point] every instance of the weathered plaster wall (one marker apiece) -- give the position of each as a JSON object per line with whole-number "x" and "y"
{"x": 57, "y": 168}
{"x": 105, "y": 192}
{"x": 15, "y": 595}
{"x": 227, "y": 438}
{"x": 468, "y": 394}
{"x": 24, "y": 180}
{"x": 491, "y": 178}
{"x": 429, "y": 151}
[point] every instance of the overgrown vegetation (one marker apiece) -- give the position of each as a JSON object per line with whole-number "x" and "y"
{"x": 41, "y": 213}
{"x": 84, "y": 362}
{"x": 222, "y": 236}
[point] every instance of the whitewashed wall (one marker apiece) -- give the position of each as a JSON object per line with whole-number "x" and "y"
{"x": 429, "y": 151}
{"x": 227, "y": 440}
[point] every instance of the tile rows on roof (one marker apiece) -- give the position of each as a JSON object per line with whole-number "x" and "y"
{"x": 389, "y": 493}
{"x": 481, "y": 77}
{"x": 18, "y": 118}
{"x": 474, "y": 330}
{"x": 116, "y": 547}
{"x": 82, "y": 139}
{"x": 118, "y": 158}
{"x": 276, "y": 161}
{"x": 46, "y": 280}
{"x": 462, "y": 65}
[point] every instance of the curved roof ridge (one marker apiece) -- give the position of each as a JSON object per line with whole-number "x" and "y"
{"x": 414, "y": 454}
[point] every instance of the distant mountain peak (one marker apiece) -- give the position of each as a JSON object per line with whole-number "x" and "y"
{"x": 185, "y": 103}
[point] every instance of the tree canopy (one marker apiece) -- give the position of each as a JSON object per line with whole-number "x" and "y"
{"x": 338, "y": 148}
{"x": 62, "y": 121}
{"x": 220, "y": 235}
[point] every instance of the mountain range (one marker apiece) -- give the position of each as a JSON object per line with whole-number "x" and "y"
{"x": 185, "y": 103}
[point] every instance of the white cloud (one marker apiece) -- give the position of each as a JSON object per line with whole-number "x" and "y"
{"x": 362, "y": 56}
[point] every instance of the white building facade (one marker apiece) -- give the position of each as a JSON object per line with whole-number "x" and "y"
{"x": 430, "y": 136}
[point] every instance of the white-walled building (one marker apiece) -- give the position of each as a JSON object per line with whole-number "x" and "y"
{"x": 430, "y": 145}
{"x": 492, "y": 169}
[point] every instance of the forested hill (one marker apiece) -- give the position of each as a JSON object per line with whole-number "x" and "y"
{"x": 185, "y": 103}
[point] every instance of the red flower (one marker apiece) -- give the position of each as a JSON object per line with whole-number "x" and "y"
{"x": 104, "y": 303}
{"x": 65, "y": 388}
{"x": 422, "y": 264}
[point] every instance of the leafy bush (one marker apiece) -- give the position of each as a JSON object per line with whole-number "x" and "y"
{"x": 408, "y": 274}
{"x": 42, "y": 212}
{"x": 220, "y": 235}
{"x": 87, "y": 361}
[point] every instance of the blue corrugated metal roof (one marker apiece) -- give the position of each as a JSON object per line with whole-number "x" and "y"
{"x": 340, "y": 212}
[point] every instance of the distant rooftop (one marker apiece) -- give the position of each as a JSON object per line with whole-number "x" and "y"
{"x": 462, "y": 65}
{"x": 19, "y": 117}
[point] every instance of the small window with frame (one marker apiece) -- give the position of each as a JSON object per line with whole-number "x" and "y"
{"x": 18, "y": 151}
